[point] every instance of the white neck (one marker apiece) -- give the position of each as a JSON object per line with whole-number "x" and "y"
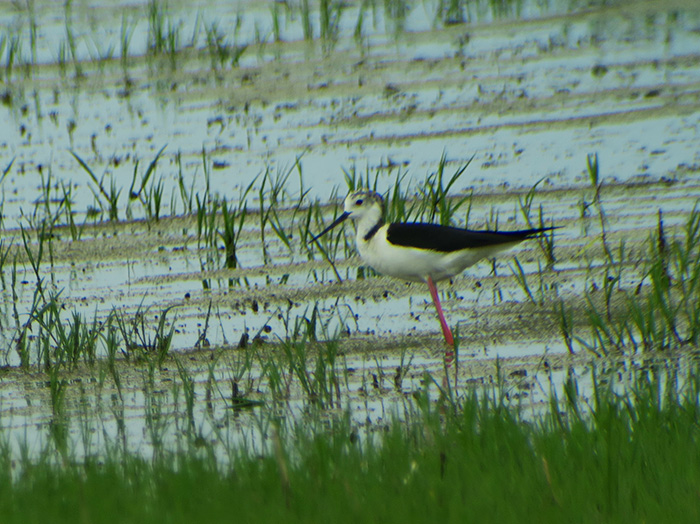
{"x": 370, "y": 220}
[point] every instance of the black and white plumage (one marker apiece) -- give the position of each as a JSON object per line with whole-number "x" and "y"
{"x": 415, "y": 251}
{"x": 421, "y": 252}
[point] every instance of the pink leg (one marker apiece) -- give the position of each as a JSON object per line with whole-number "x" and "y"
{"x": 447, "y": 333}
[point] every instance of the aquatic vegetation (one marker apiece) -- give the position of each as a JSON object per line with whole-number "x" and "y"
{"x": 660, "y": 311}
{"x": 108, "y": 198}
{"x": 166, "y": 319}
{"x": 435, "y": 453}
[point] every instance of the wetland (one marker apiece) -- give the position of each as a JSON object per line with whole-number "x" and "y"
{"x": 165, "y": 165}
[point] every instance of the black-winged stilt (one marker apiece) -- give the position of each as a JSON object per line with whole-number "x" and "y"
{"x": 421, "y": 252}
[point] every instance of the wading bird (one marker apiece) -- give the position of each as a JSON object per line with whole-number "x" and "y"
{"x": 421, "y": 252}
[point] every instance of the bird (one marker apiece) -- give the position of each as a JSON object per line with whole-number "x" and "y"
{"x": 419, "y": 251}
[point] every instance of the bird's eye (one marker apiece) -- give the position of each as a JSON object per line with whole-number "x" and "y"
{"x": 359, "y": 202}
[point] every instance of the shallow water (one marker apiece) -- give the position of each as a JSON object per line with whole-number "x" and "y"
{"x": 620, "y": 82}
{"x": 527, "y": 99}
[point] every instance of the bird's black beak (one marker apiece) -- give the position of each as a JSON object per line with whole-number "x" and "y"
{"x": 337, "y": 221}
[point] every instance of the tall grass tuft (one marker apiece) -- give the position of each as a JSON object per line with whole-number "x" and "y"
{"x": 662, "y": 310}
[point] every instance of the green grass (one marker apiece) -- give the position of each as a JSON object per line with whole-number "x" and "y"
{"x": 609, "y": 458}
{"x": 468, "y": 457}
{"x": 655, "y": 309}
{"x": 167, "y": 47}
{"x": 629, "y": 458}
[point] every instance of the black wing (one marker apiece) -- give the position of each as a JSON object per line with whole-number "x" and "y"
{"x": 447, "y": 239}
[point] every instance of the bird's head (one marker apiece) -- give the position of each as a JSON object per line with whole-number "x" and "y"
{"x": 361, "y": 206}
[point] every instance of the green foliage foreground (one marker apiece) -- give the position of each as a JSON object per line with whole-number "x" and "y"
{"x": 632, "y": 457}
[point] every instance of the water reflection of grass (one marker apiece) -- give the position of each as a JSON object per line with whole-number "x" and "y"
{"x": 615, "y": 457}
{"x": 166, "y": 44}
{"x": 646, "y": 300}
{"x": 459, "y": 454}
{"x": 469, "y": 460}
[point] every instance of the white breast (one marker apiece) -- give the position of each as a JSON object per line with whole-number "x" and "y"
{"x": 413, "y": 264}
